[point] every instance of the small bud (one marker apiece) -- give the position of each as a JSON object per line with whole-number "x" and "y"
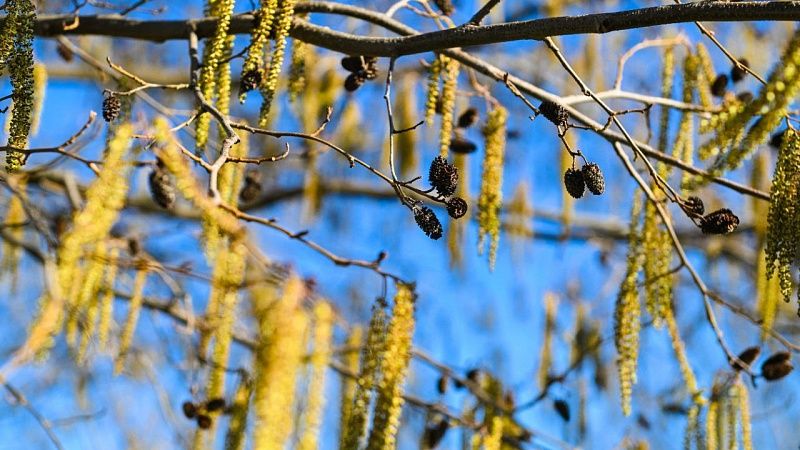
{"x": 354, "y": 63}
{"x": 428, "y": 222}
{"x": 562, "y": 408}
{"x": 468, "y": 118}
{"x": 434, "y": 433}
{"x": 776, "y": 141}
{"x": 111, "y": 107}
{"x": 189, "y": 410}
{"x": 738, "y": 74}
{"x": 204, "y": 421}
{"x": 745, "y": 97}
{"x": 252, "y": 187}
{"x": 593, "y": 177}
{"x": 441, "y": 384}
{"x": 573, "y": 181}
{"x": 721, "y": 221}
{"x": 456, "y": 207}
{"x": 353, "y": 82}
{"x": 777, "y": 366}
{"x": 747, "y": 357}
{"x": 443, "y": 176}
{"x": 720, "y": 85}
{"x": 554, "y": 113}
{"x": 215, "y": 404}
{"x": 462, "y": 145}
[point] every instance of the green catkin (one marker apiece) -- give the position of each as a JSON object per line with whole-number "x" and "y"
{"x": 89, "y": 299}
{"x": 20, "y": 69}
{"x": 731, "y": 416}
{"x": 259, "y": 39}
{"x": 235, "y": 438}
{"x": 783, "y": 230}
{"x": 283, "y": 21}
{"x": 320, "y": 358}
{"x": 449, "y": 87}
{"x": 7, "y": 33}
{"x": 87, "y": 290}
{"x": 689, "y": 379}
{"x": 367, "y": 376}
{"x": 627, "y": 312}
{"x": 667, "y": 78}
{"x": 692, "y": 431}
{"x": 134, "y": 308}
{"x": 491, "y": 196}
{"x": 494, "y": 440}
{"x": 744, "y": 415}
{"x": 768, "y": 290}
{"x": 432, "y": 97}
{"x": 705, "y": 76}
{"x": 771, "y": 104}
{"x": 39, "y": 88}
{"x": 394, "y": 367}
{"x": 12, "y": 254}
{"x": 348, "y": 384}
{"x": 213, "y": 55}
{"x": 546, "y": 353}
{"x": 657, "y": 272}
{"x": 712, "y": 420}
{"x": 683, "y": 147}
{"x": 107, "y": 301}
{"x": 297, "y": 69}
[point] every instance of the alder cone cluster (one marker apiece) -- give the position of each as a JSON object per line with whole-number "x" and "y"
{"x": 721, "y": 221}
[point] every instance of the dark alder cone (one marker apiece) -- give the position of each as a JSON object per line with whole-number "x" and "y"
{"x": 554, "y": 113}
{"x": 189, "y": 410}
{"x": 695, "y": 205}
{"x": 428, "y": 222}
{"x": 250, "y": 191}
{"x": 462, "y": 145}
{"x": 456, "y": 207}
{"x": 204, "y": 421}
{"x": 777, "y": 139}
{"x": 745, "y": 97}
{"x": 354, "y": 63}
{"x": 573, "y": 181}
{"x": 719, "y": 85}
{"x": 443, "y": 176}
{"x": 738, "y": 74}
{"x": 777, "y": 366}
{"x": 353, "y": 82}
{"x": 747, "y": 357}
{"x": 65, "y": 53}
{"x": 562, "y": 408}
{"x": 215, "y": 404}
{"x": 434, "y": 433}
{"x": 721, "y": 221}
{"x": 468, "y": 118}
{"x": 593, "y": 177}
{"x": 250, "y": 80}
{"x": 441, "y": 384}
{"x": 111, "y": 106}
{"x": 445, "y": 6}
{"x": 161, "y": 188}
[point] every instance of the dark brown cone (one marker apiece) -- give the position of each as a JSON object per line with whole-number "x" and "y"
{"x": 777, "y": 366}
{"x": 462, "y": 145}
{"x": 428, "y": 222}
{"x": 445, "y": 6}
{"x": 250, "y": 81}
{"x": 554, "y": 113}
{"x": 353, "y": 82}
{"x": 443, "y": 176}
{"x": 695, "y": 205}
{"x": 573, "y": 181}
{"x": 562, "y": 408}
{"x": 468, "y": 118}
{"x": 204, "y": 421}
{"x": 721, "y": 221}
{"x": 738, "y": 74}
{"x": 747, "y": 357}
{"x": 111, "y": 107}
{"x": 441, "y": 384}
{"x": 776, "y": 140}
{"x": 456, "y": 207}
{"x": 593, "y": 177}
{"x": 161, "y": 188}
{"x": 250, "y": 191}
{"x": 720, "y": 85}
{"x": 354, "y": 63}
{"x": 189, "y": 410}
{"x": 215, "y": 404}
{"x": 65, "y": 53}
{"x": 434, "y": 433}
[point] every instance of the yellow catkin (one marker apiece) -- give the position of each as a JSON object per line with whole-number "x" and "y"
{"x": 683, "y": 147}
{"x": 744, "y": 415}
{"x": 456, "y": 230}
{"x": 259, "y": 39}
{"x": 39, "y": 88}
{"x": 494, "y": 440}
{"x": 20, "y": 69}
{"x": 8, "y": 29}
{"x": 705, "y": 76}
{"x": 768, "y": 291}
{"x": 88, "y": 304}
{"x": 283, "y": 21}
{"x": 732, "y": 418}
{"x": 321, "y": 356}
{"x": 235, "y": 438}
{"x": 627, "y": 312}
{"x": 297, "y": 69}
{"x": 712, "y": 420}
{"x": 394, "y": 367}
{"x": 134, "y": 308}
{"x": 667, "y": 78}
{"x": 107, "y": 300}
{"x": 367, "y": 376}
{"x": 692, "y": 431}
{"x": 348, "y": 384}
{"x": 491, "y": 196}
{"x": 689, "y": 379}
{"x": 432, "y": 97}
{"x": 86, "y": 291}
{"x": 13, "y": 225}
{"x": 450, "y": 84}
{"x": 213, "y": 54}
{"x": 657, "y": 272}
{"x": 546, "y": 353}
{"x": 278, "y": 361}
{"x": 104, "y": 200}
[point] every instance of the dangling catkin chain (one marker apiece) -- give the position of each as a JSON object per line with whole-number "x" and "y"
{"x": 394, "y": 367}
{"x": 254, "y": 61}
{"x": 348, "y": 384}
{"x": 683, "y": 147}
{"x": 297, "y": 69}
{"x": 627, "y": 312}
{"x": 546, "y": 354}
{"x": 134, "y": 308}
{"x": 432, "y": 97}
{"x": 283, "y": 22}
{"x": 315, "y": 400}
{"x": 213, "y": 54}
{"x": 22, "y": 14}
{"x": 450, "y": 76}
{"x": 235, "y": 438}
{"x": 491, "y": 196}
{"x": 107, "y": 301}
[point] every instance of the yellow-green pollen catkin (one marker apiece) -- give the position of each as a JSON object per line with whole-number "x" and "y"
{"x": 491, "y": 196}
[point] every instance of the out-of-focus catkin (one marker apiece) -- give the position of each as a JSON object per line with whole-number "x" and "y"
{"x": 323, "y": 316}
{"x": 432, "y": 97}
{"x": 213, "y": 55}
{"x": 491, "y": 195}
{"x": 450, "y": 84}
{"x": 546, "y": 352}
{"x": 134, "y": 308}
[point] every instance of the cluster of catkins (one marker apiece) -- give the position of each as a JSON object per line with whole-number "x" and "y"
{"x": 361, "y": 68}
{"x": 199, "y": 412}
{"x": 721, "y": 221}
{"x": 777, "y": 366}
{"x": 443, "y": 176}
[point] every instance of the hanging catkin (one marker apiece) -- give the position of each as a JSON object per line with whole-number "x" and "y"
{"x": 432, "y": 96}
{"x": 315, "y": 400}
{"x": 283, "y": 21}
{"x": 22, "y": 15}
{"x": 394, "y": 367}
{"x": 134, "y": 308}
{"x": 546, "y": 353}
{"x": 491, "y": 196}
{"x": 348, "y": 385}
{"x": 107, "y": 300}
{"x": 450, "y": 71}
{"x": 236, "y": 436}
{"x": 253, "y": 67}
